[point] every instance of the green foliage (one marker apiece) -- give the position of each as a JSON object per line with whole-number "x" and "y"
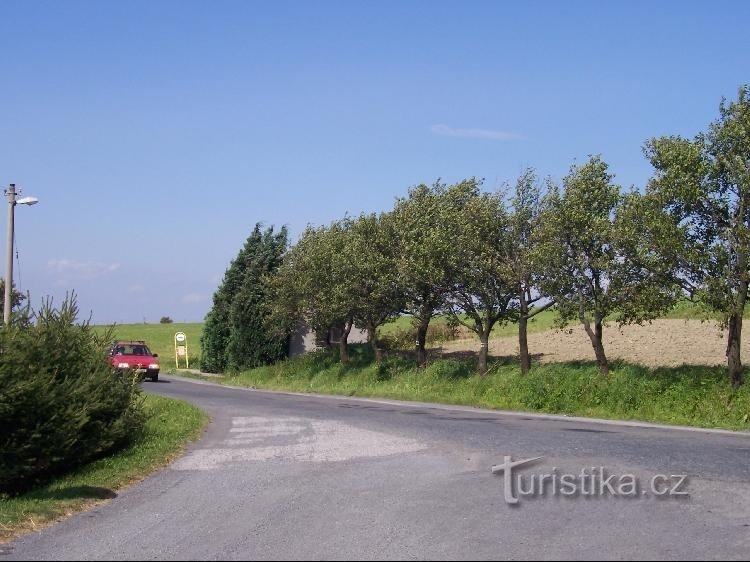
{"x": 590, "y": 243}
{"x": 482, "y": 289}
{"x": 165, "y": 320}
{"x": 427, "y": 223}
{"x": 525, "y": 271}
{"x": 315, "y": 283}
{"x": 235, "y": 333}
{"x": 339, "y": 275}
{"x": 216, "y": 328}
{"x": 371, "y": 249}
{"x": 525, "y": 219}
{"x": 577, "y": 243}
{"x": 16, "y": 303}
{"x": 702, "y": 187}
{"x": 60, "y": 403}
{"x": 250, "y": 344}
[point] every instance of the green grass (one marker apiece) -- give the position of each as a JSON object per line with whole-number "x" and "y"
{"x": 171, "y": 423}
{"x": 695, "y": 396}
{"x": 160, "y": 339}
{"x": 542, "y": 321}
{"x": 688, "y": 310}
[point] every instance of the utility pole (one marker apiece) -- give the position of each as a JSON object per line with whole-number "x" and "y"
{"x": 12, "y": 202}
{"x": 11, "y": 193}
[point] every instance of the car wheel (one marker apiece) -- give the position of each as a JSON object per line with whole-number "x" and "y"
{"x": 155, "y": 378}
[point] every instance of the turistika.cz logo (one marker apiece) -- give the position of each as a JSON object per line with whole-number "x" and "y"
{"x": 590, "y": 482}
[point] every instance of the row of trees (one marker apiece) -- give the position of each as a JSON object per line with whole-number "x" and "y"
{"x": 481, "y": 258}
{"x": 585, "y": 247}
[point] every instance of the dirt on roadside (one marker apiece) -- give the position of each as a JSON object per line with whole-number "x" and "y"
{"x": 662, "y": 343}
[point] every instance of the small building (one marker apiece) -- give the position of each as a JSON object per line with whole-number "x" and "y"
{"x": 304, "y": 339}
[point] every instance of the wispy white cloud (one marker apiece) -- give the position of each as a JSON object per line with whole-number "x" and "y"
{"x": 74, "y": 270}
{"x": 489, "y": 134}
{"x": 136, "y": 288}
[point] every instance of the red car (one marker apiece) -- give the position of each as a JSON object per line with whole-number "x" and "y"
{"x": 127, "y": 355}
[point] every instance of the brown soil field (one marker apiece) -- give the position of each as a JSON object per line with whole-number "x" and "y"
{"x": 662, "y": 343}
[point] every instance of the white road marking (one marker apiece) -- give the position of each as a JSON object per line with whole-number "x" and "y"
{"x": 309, "y": 441}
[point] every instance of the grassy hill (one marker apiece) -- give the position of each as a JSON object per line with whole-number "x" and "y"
{"x": 160, "y": 338}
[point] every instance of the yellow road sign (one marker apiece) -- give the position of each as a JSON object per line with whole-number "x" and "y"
{"x": 181, "y": 350}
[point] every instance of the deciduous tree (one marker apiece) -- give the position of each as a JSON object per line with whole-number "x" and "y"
{"x": 482, "y": 292}
{"x": 524, "y": 221}
{"x": 588, "y": 255}
{"x": 317, "y": 282}
{"x": 703, "y": 186}
{"x": 371, "y": 249}
{"x": 425, "y": 224}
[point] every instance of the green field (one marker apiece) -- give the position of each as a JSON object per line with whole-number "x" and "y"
{"x": 171, "y": 423}
{"x": 690, "y": 311}
{"x": 160, "y": 339}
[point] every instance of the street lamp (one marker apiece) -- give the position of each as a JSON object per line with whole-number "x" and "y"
{"x": 12, "y": 202}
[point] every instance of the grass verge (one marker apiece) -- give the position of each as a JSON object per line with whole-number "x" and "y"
{"x": 688, "y": 395}
{"x": 171, "y": 424}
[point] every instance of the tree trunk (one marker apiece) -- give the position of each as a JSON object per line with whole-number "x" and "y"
{"x": 324, "y": 340}
{"x": 377, "y": 350}
{"x": 595, "y": 336}
{"x": 734, "y": 346}
{"x": 523, "y": 337}
{"x": 421, "y": 343}
{"x": 483, "y": 353}
{"x": 343, "y": 350}
{"x": 734, "y": 343}
{"x": 344, "y": 343}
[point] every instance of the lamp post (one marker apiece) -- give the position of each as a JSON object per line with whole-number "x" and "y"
{"x": 12, "y": 202}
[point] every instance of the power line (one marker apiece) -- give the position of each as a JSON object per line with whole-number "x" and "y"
{"x": 18, "y": 261}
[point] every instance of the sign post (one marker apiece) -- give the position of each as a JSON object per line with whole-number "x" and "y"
{"x": 181, "y": 350}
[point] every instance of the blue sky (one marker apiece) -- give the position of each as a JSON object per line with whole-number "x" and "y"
{"x": 157, "y": 133}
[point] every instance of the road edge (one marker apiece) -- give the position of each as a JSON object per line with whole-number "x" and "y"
{"x": 19, "y": 530}
{"x": 472, "y": 409}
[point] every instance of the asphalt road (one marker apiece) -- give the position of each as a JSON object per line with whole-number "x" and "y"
{"x": 297, "y": 477}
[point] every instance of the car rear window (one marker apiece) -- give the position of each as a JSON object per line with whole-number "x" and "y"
{"x": 132, "y": 350}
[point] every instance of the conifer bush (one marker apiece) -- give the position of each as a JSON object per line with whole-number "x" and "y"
{"x": 236, "y": 334}
{"x": 61, "y": 405}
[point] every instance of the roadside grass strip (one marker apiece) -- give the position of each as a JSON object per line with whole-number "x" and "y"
{"x": 171, "y": 425}
{"x": 689, "y": 395}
